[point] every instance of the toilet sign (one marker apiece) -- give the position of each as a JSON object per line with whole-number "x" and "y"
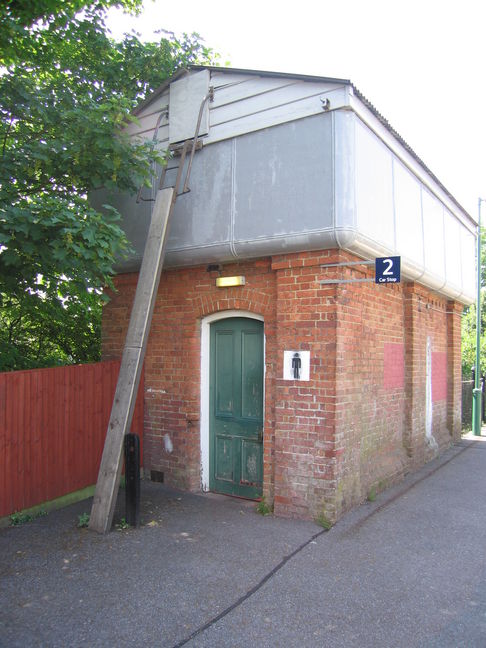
{"x": 296, "y": 365}
{"x": 387, "y": 270}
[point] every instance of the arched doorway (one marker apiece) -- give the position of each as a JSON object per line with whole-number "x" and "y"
{"x": 232, "y": 397}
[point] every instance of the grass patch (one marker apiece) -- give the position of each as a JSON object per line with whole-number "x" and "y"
{"x": 22, "y": 517}
{"x": 51, "y": 505}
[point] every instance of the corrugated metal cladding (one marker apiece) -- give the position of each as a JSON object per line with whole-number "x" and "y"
{"x": 293, "y": 164}
{"x": 259, "y": 194}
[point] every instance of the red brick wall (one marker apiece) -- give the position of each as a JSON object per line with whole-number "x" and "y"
{"x": 305, "y": 452}
{"x": 427, "y": 318}
{"x": 381, "y": 383}
{"x": 370, "y": 390}
{"x": 360, "y": 421}
{"x": 173, "y": 358}
{"x": 454, "y": 387}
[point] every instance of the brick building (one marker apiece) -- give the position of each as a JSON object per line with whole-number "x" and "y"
{"x": 308, "y": 382}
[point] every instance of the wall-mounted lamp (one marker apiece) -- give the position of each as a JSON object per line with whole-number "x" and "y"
{"x": 228, "y": 282}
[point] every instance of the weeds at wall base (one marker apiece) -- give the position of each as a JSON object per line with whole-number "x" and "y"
{"x": 372, "y": 494}
{"x": 263, "y": 508}
{"x": 122, "y": 525}
{"x": 83, "y": 520}
{"x": 323, "y": 521}
{"x": 16, "y": 519}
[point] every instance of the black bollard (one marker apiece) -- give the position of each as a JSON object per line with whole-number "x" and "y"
{"x": 132, "y": 479}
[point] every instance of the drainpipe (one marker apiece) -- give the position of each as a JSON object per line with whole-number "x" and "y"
{"x": 476, "y": 413}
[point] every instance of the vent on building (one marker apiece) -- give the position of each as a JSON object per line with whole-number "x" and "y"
{"x": 157, "y": 476}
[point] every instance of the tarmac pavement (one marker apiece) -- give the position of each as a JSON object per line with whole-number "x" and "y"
{"x": 407, "y": 570}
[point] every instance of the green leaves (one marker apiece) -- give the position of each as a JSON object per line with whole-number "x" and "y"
{"x": 22, "y": 21}
{"x": 66, "y": 90}
{"x": 468, "y": 335}
{"x": 44, "y": 329}
{"x": 52, "y": 269}
{"x": 54, "y": 236}
{"x": 468, "y": 332}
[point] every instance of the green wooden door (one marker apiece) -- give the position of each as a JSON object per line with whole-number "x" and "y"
{"x": 236, "y": 407}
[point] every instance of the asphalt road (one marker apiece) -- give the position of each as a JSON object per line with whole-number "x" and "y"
{"x": 408, "y": 569}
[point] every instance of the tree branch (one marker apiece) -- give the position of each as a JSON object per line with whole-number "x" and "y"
{"x": 9, "y": 128}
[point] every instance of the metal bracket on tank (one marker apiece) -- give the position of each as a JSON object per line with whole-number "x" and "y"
{"x": 181, "y": 150}
{"x": 344, "y": 264}
{"x": 183, "y": 153}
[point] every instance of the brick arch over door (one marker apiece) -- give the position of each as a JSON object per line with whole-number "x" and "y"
{"x": 253, "y": 303}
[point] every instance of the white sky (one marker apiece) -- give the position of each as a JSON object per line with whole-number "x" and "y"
{"x": 421, "y": 63}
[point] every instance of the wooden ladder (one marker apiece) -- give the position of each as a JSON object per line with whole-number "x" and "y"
{"x": 106, "y": 491}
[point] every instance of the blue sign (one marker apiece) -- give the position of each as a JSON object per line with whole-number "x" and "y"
{"x": 387, "y": 270}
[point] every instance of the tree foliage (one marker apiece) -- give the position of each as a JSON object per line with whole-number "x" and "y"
{"x": 21, "y": 20}
{"x": 469, "y": 325}
{"x": 469, "y": 340}
{"x": 66, "y": 90}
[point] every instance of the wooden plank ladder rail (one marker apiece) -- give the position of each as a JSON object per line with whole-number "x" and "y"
{"x": 104, "y": 500}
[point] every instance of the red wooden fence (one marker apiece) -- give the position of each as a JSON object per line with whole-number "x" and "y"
{"x": 52, "y": 429}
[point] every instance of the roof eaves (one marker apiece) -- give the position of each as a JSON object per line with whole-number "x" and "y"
{"x": 266, "y": 73}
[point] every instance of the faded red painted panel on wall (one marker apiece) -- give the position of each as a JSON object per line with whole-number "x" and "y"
{"x": 52, "y": 430}
{"x": 394, "y": 366}
{"x": 439, "y": 376}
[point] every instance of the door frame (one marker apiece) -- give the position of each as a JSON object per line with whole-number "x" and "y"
{"x": 205, "y": 356}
